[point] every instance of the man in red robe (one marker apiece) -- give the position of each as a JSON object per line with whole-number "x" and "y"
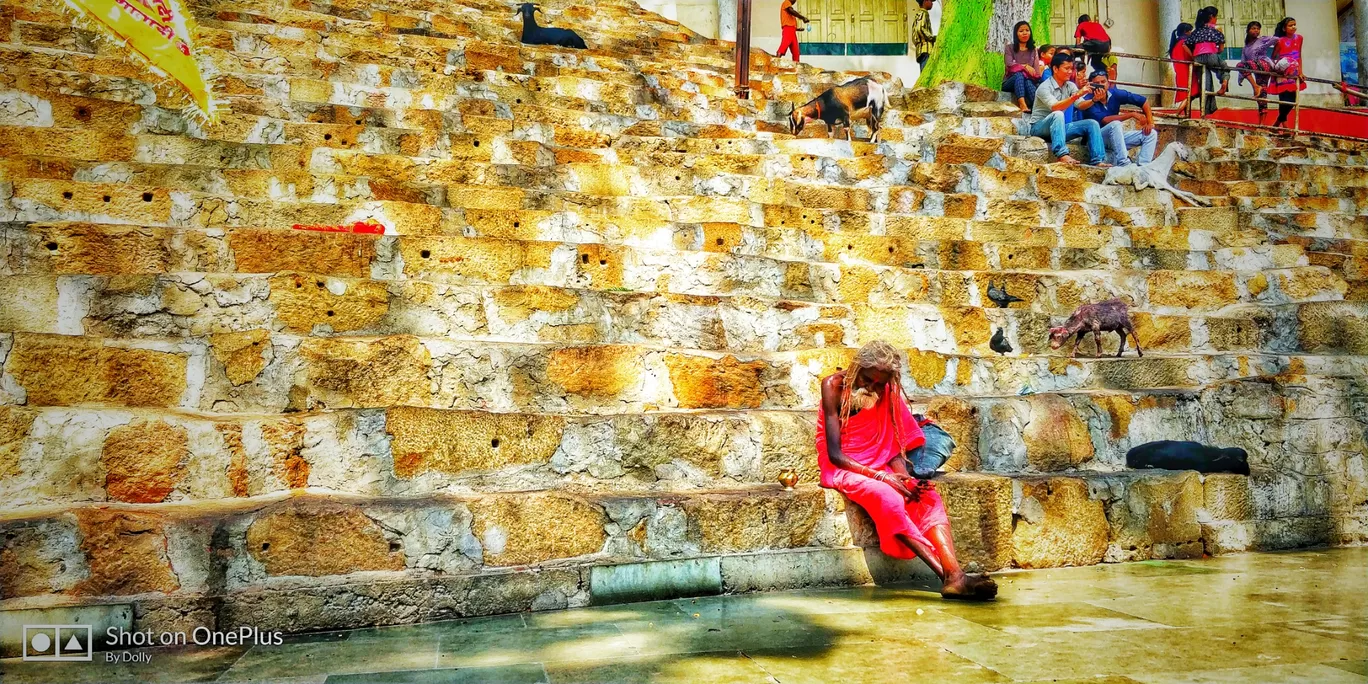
{"x": 863, "y": 431}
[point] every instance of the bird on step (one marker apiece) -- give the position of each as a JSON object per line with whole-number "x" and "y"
{"x": 999, "y": 295}
{"x": 999, "y": 343}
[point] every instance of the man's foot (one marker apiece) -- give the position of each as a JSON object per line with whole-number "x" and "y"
{"x": 1066, "y": 159}
{"x": 1101, "y": 165}
{"x": 970, "y": 588}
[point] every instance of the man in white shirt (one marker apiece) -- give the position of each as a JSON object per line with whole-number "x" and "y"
{"x": 1053, "y": 98}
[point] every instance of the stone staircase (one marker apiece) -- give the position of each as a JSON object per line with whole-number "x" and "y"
{"x": 592, "y": 333}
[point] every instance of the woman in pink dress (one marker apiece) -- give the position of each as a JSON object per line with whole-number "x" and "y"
{"x": 1287, "y": 64}
{"x": 863, "y": 431}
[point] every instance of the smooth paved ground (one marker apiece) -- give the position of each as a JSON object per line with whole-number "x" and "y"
{"x": 1251, "y": 618}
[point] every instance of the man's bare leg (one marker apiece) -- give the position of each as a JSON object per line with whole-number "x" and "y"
{"x": 924, "y": 552}
{"x": 956, "y": 582}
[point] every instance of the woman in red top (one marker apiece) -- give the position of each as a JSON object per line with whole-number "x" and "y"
{"x": 1287, "y": 64}
{"x": 864, "y": 430}
{"x": 1182, "y": 73}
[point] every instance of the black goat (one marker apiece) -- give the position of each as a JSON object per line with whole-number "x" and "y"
{"x": 545, "y": 35}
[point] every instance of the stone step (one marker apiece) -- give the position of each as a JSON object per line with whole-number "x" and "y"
{"x": 266, "y": 558}
{"x": 486, "y": 261}
{"x": 259, "y": 371}
{"x": 104, "y": 456}
{"x": 81, "y": 248}
{"x": 1341, "y": 176}
{"x": 776, "y": 203}
{"x": 181, "y": 305}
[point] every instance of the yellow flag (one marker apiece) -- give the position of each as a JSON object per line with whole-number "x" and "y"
{"x": 158, "y": 31}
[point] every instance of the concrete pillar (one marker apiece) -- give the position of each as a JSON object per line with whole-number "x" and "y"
{"x": 1361, "y": 32}
{"x": 1170, "y": 15}
{"x": 726, "y": 19}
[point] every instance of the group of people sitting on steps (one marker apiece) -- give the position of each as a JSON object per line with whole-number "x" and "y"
{"x": 1049, "y": 86}
{"x": 1270, "y": 64}
{"x": 1061, "y": 103}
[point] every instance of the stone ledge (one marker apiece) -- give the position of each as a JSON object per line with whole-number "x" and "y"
{"x": 417, "y": 452}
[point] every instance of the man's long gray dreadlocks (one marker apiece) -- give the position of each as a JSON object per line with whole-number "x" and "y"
{"x": 877, "y": 355}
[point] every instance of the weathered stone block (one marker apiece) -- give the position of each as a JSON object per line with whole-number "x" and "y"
{"x": 715, "y": 445}
{"x": 754, "y": 520}
{"x": 66, "y": 371}
{"x": 29, "y": 304}
{"x": 516, "y": 304}
{"x": 39, "y": 558}
{"x": 1333, "y": 327}
{"x": 520, "y": 529}
{"x": 962, "y": 149}
{"x": 1192, "y": 289}
{"x": 243, "y": 354}
{"x": 126, "y": 553}
{"x": 980, "y": 510}
{"x": 143, "y": 461}
{"x": 314, "y": 540}
{"x": 15, "y": 423}
{"x": 304, "y": 301}
{"x": 1056, "y": 437}
{"x": 457, "y": 442}
{"x": 602, "y": 371}
{"x": 270, "y": 251}
{"x": 1227, "y": 496}
{"x": 388, "y": 371}
{"x": 474, "y": 260}
{"x": 1152, "y": 515}
{"x": 1058, "y": 524}
{"x": 786, "y": 441}
{"x": 703, "y": 382}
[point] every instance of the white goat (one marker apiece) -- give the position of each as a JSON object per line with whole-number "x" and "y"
{"x": 1154, "y": 174}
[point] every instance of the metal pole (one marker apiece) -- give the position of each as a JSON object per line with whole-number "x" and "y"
{"x": 743, "y": 36}
{"x": 1361, "y": 29}
{"x": 1202, "y": 77}
{"x": 1296, "y": 108}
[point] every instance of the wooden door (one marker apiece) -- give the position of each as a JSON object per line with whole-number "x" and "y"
{"x": 839, "y": 25}
{"x": 1064, "y": 19}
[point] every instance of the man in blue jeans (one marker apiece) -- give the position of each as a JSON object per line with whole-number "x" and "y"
{"x": 1053, "y": 97}
{"x": 1106, "y": 111}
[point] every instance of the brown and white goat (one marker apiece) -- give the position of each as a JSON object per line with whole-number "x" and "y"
{"x": 1112, "y": 315}
{"x": 861, "y": 98}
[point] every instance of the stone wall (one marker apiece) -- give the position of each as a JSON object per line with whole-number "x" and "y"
{"x": 591, "y": 336}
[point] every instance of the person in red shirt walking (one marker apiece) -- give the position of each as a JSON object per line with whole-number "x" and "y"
{"x": 788, "y": 20}
{"x": 1093, "y": 38}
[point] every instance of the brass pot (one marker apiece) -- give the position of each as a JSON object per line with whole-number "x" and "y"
{"x": 788, "y": 477}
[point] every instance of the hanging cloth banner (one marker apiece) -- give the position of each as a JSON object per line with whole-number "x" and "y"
{"x": 158, "y": 31}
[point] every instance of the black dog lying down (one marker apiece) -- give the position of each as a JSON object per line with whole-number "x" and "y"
{"x": 1170, "y": 455}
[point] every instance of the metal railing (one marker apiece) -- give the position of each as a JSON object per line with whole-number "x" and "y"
{"x": 1196, "y": 70}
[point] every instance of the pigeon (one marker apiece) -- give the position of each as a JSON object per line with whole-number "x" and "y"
{"x": 999, "y": 343}
{"x": 999, "y": 295}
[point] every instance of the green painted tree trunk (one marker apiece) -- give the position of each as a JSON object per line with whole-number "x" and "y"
{"x": 972, "y": 35}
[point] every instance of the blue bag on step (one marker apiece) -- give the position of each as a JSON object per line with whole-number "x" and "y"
{"x": 927, "y": 459}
